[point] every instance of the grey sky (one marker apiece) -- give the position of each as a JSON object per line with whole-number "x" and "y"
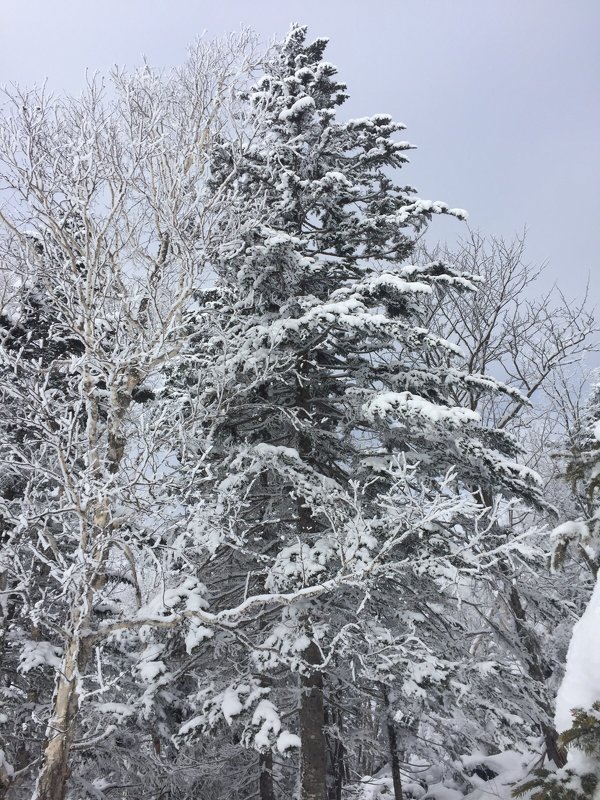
{"x": 501, "y": 96}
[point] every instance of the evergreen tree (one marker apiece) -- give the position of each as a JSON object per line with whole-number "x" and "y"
{"x": 338, "y": 459}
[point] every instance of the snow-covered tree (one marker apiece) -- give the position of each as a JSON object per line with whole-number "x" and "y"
{"x": 577, "y": 716}
{"x": 257, "y": 483}
{"x": 342, "y": 469}
{"x": 535, "y": 340}
{"x": 99, "y": 247}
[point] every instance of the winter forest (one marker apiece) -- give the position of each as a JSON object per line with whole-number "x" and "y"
{"x": 295, "y": 502}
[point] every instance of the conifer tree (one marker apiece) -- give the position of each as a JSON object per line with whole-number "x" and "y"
{"x": 338, "y": 459}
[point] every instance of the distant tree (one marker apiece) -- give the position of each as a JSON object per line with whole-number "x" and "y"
{"x": 534, "y": 339}
{"x": 578, "y": 699}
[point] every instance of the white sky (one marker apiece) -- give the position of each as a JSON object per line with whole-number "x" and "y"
{"x": 501, "y": 96}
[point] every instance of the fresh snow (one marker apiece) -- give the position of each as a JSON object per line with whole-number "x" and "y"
{"x": 408, "y": 405}
{"x": 580, "y": 687}
{"x": 305, "y": 103}
{"x": 231, "y": 705}
{"x": 39, "y": 654}
{"x": 287, "y": 741}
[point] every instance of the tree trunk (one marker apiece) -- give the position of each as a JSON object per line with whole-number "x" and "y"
{"x": 5, "y": 778}
{"x": 336, "y": 754}
{"x": 394, "y": 760}
{"x": 5, "y": 781}
{"x": 52, "y": 779}
{"x": 55, "y": 770}
{"x": 313, "y": 761}
{"x": 393, "y": 744}
{"x": 313, "y": 744}
{"x": 265, "y": 781}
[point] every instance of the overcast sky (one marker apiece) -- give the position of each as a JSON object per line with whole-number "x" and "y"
{"x": 500, "y": 96}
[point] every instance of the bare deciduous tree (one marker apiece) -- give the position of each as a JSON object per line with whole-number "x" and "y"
{"x": 533, "y": 338}
{"x": 102, "y": 226}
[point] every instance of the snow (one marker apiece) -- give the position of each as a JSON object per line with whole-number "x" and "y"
{"x": 305, "y": 103}
{"x": 286, "y": 741}
{"x": 280, "y": 238}
{"x": 270, "y": 450}
{"x": 196, "y": 635}
{"x": 118, "y": 709}
{"x": 299, "y": 563}
{"x": 511, "y": 767}
{"x": 421, "y": 779}
{"x": 189, "y": 594}
{"x": 423, "y": 673}
{"x": 409, "y": 404}
{"x": 337, "y": 177}
{"x": 381, "y": 787}
{"x": 267, "y": 719}
{"x": 384, "y": 280}
{"x": 190, "y": 726}
{"x": 150, "y": 670}
{"x": 231, "y": 705}
{"x": 576, "y": 531}
{"x": 580, "y": 687}
{"x": 149, "y": 667}
{"x": 39, "y": 654}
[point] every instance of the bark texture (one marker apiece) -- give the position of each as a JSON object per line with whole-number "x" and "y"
{"x": 395, "y": 758}
{"x": 53, "y": 776}
{"x": 265, "y": 781}
{"x": 337, "y": 768}
{"x": 313, "y": 761}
